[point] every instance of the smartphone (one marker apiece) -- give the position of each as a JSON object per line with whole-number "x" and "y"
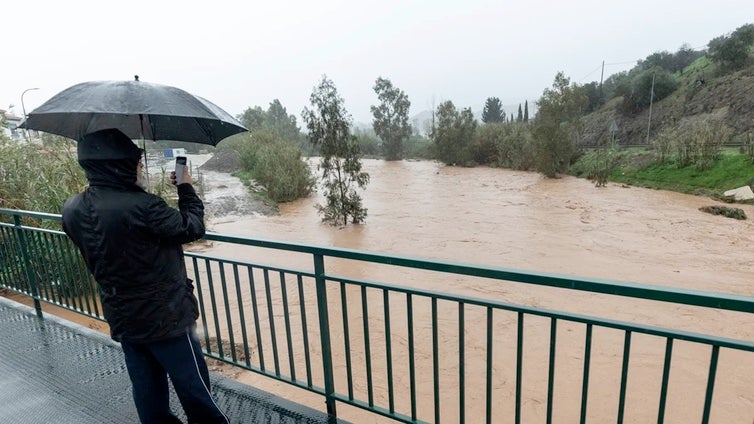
{"x": 180, "y": 164}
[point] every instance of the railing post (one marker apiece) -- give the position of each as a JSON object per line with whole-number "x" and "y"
{"x": 324, "y": 330}
{"x": 30, "y": 275}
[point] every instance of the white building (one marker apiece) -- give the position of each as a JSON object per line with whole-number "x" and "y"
{"x": 10, "y": 129}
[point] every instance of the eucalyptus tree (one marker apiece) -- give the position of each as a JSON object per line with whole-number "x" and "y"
{"x": 328, "y": 124}
{"x": 391, "y": 118}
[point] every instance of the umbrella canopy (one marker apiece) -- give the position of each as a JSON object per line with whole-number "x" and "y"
{"x": 140, "y": 109}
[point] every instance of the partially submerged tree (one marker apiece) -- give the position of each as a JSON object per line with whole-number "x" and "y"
{"x": 329, "y": 124}
{"x": 556, "y": 125}
{"x": 391, "y": 118}
{"x": 453, "y": 134}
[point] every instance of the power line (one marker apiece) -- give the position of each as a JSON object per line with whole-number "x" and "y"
{"x": 606, "y": 64}
{"x": 621, "y": 63}
{"x": 590, "y": 73}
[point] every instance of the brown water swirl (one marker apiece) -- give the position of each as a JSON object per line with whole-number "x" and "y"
{"x": 520, "y": 220}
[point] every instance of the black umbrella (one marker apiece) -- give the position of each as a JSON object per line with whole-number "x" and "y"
{"x": 140, "y": 109}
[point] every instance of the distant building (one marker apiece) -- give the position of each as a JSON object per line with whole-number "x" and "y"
{"x": 10, "y": 129}
{"x": 171, "y": 153}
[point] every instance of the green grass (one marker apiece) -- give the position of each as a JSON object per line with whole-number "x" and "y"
{"x": 732, "y": 170}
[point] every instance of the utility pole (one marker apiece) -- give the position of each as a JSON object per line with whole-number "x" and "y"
{"x": 651, "y": 97}
{"x": 602, "y": 74}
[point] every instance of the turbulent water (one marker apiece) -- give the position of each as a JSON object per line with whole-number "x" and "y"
{"x": 521, "y": 220}
{"x": 565, "y": 226}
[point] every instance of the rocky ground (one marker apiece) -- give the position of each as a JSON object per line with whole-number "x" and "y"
{"x": 225, "y": 196}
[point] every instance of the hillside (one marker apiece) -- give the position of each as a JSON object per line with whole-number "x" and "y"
{"x": 701, "y": 93}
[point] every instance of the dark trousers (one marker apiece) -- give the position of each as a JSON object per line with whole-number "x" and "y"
{"x": 149, "y": 365}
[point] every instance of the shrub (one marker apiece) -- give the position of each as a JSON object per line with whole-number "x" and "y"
{"x": 598, "y": 164}
{"x": 663, "y": 145}
{"x": 505, "y": 145}
{"x": 275, "y": 164}
{"x": 725, "y": 211}
{"x": 694, "y": 142}
{"x": 699, "y": 141}
{"x": 39, "y": 177}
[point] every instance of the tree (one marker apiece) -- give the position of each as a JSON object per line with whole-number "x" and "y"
{"x": 391, "y": 118}
{"x": 253, "y": 118}
{"x": 594, "y": 96}
{"x": 642, "y": 90}
{"x": 526, "y": 111}
{"x": 275, "y": 119}
{"x": 615, "y": 85}
{"x": 685, "y": 56}
{"x": 745, "y": 33}
{"x": 732, "y": 52}
{"x": 453, "y": 134}
{"x": 281, "y": 123}
{"x": 663, "y": 59}
{"x": 556, "y": 126}
{"x": 328, "y": 124}
{"x": 520, "y": 116}
{"x": 493, "y": 111}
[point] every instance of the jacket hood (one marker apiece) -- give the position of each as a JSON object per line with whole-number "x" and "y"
{"x": 112, "y": 173}
{"x": 107, "y": 144}
{"x": 109, "y": 158}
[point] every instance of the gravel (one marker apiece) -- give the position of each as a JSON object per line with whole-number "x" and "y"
{"x": 225, "y": 197}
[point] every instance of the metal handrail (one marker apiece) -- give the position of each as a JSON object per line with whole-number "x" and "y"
{"x": 242, "y": 325}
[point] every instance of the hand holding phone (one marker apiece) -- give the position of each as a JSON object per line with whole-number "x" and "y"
{"x": 180, "y": 167}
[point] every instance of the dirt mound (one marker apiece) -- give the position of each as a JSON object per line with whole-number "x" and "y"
{"x": 223, "y": 161}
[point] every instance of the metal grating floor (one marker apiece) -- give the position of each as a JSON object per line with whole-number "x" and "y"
{"x": 55, "y": 371}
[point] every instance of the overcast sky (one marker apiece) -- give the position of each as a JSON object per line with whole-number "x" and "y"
{"x": 246, "y": 53}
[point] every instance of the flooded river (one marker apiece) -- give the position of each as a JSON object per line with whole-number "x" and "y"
{"x": 521, "y": 220}
{"x": 566, "y": 226}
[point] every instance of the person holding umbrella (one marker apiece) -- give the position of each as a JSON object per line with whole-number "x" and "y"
{"x": 131, "y": 242}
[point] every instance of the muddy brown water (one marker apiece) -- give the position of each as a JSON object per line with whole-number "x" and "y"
{"x": 522, "y": 221}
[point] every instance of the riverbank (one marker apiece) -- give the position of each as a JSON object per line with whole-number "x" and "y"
{"x": 226, "y": 197}
{"x": 638, "y": 167}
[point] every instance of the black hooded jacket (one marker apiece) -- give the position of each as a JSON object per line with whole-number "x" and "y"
{"x": 131, "y": 243}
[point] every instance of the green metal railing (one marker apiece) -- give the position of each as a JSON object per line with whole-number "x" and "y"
{"x": 404, "y": 350}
